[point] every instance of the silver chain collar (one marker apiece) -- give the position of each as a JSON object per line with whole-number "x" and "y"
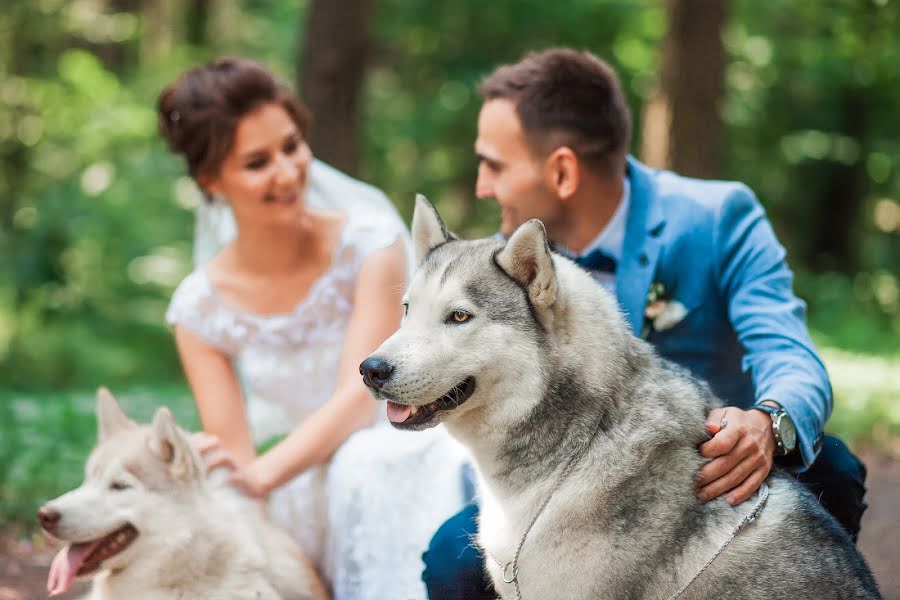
{"x": 511, "y": 569}
{"x": 749, "y": 518}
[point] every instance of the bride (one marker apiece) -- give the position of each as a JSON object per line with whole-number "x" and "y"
{"x": 300, "y": 271}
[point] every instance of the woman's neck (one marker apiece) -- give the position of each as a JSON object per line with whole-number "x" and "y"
{"x": 278, "y": 250}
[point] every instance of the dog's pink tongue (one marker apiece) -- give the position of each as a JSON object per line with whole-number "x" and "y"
{"x": 397, "y": 413}
{"x": 65, "y": 566}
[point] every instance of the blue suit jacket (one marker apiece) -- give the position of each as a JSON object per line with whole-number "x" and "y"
{"x": 709, "y": 243}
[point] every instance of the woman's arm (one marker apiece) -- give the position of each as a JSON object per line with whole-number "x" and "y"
{"x": 217, "y": 394}
{"x": 376, "y": 315}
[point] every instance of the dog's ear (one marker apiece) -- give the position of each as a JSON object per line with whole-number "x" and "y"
{"x": 173, "y": 447}
{"x": 428, "y": 230}
{"x": 526, "y": 258}
{"x": 110, "y": 418}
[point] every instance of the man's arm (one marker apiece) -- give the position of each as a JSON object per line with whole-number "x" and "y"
{"x": 770, "y": 321}
{"x": 779, "y": 355}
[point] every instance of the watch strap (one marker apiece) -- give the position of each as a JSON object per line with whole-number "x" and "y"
{"x": 771, "y": 410}
{"x": 773, "y": 413}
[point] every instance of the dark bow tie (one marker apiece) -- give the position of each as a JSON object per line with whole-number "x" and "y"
{"x": 596, "y": 260}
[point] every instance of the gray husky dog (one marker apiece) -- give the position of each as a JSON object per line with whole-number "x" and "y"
{"x": 584, "y": 440}
{"x": 148, "y": 524}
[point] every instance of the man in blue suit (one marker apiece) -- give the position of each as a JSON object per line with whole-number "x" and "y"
{"x": 696, "y": 268}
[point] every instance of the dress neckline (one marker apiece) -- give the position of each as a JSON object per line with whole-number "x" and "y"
{"x": 315, "y": 286}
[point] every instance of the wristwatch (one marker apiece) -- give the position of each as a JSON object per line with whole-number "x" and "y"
{"x": 782, "y": 427}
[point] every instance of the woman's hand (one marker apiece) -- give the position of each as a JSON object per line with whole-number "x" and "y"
{"x": 249, "y": 480}
{"x": 212, "y": 451}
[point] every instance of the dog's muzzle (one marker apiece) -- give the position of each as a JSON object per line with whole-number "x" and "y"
{"x": 375, "y": 372}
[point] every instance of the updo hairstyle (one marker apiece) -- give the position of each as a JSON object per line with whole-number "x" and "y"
{"x": 199, "y": 113}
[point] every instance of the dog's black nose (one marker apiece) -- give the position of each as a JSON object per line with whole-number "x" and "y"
{"x": 49, "y": 518}
{"x": 375, "y": 372}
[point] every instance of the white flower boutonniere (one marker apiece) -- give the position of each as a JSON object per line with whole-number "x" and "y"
{"x": 661, "y": 312}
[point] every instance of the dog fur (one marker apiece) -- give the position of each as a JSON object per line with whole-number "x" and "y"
{"x": 189, "y": 537}
{"x": 529, "y": 362}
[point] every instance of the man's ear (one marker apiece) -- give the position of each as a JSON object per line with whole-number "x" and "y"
{"x": 428, "y": 229}
{"x": 526, "y": 258}
{"x": 562, "y": 172}
{"x": 110, "y": 418}
{"x": 170, "y": 445}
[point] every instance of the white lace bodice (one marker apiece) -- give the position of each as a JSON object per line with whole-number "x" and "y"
{"x": 288, "y": 363}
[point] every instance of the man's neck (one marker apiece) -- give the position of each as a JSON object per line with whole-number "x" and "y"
{"x": 592, "y": 208}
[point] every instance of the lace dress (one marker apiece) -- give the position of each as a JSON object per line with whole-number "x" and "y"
{"x": 365, "y": 517}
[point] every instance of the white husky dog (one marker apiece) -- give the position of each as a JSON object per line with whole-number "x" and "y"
{"x": 148, "y": 524}
{"x": 585, "y": 441}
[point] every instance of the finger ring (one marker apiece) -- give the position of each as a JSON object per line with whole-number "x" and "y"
{"x": 723, "y": 423}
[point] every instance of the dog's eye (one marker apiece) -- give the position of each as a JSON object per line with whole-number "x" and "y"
{"x": 119, "y": 486}
{"x": 459, "y": 316}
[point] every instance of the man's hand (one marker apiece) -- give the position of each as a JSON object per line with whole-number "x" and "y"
{"x": 741, "y": 451}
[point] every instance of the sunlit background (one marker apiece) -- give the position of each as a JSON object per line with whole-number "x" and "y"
{"x": 96, "y": 216}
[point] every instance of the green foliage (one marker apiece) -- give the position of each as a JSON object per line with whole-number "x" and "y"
{"x": 96, "y": 215}
{"x": 811, "y": 115}
{"x": 98, "y": 225}
{"x": 421, "y": 104}
{"x": 866, "y": 390}
{"x": 857, "y": 315}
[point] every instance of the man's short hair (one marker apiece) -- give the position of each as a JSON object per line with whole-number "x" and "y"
{"x": 566, "y": 97}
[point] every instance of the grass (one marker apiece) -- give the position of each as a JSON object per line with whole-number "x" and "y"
{"x": 866, "y": 397}
{"x": 45, "y": 438}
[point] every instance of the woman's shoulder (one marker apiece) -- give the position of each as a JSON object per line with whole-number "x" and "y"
{"x": 367, "y": 232}
{"x": 196, "y": 307}
{"x": 192, "y": 294}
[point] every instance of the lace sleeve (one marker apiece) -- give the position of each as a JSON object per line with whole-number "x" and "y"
{"x": 373, "y": 233}
{"x": 196, "y": 307}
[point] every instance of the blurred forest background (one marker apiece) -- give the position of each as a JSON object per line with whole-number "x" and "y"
{"x": 797, "y": 99}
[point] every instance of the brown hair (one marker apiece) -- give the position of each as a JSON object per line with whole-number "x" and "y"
{"x": 566, "y": 97}
{"x": 199, "y": 112}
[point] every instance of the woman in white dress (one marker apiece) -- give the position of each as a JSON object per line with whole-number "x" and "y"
{"x": 304, "y": 276}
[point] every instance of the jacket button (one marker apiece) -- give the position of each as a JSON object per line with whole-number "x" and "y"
{"x": 644, "y": 260}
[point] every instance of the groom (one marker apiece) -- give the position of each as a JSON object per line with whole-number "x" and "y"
{"x": 697, "y": 271}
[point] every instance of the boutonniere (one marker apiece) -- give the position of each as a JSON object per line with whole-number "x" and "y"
{"x": 661, "y": 312}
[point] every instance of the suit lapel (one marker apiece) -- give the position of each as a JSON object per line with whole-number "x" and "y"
{"x": 641, "y": 247}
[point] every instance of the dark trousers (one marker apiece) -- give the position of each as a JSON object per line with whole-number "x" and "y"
{"x": 454, "y": 565}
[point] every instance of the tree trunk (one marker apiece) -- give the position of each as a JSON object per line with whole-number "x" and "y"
{"x": 681, "y": 126}
{"x": 196, "y": 17}
{"x": 158, "y": 38}
{"x": 333, "y": 64}
{"x": 14, "y": 155}
{"x": 835, "y": 216}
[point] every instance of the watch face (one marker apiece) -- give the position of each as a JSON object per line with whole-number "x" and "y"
{"x": 787, "y": 432}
